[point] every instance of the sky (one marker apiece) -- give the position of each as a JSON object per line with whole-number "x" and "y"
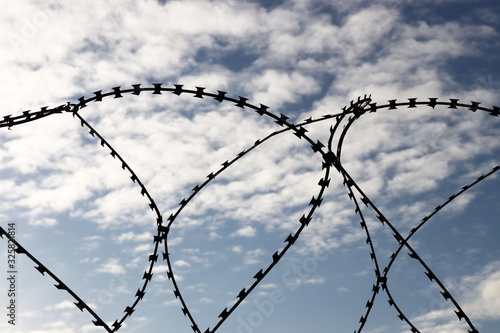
{"x": 75, "y": 209}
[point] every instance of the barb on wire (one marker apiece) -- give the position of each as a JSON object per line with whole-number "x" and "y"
{"x": 331, "y": 157}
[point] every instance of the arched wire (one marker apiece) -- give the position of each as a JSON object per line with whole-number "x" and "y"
{"x": 353, "y": 112}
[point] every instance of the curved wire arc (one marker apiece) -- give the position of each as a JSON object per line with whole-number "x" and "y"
{"x": 330, "y": 159}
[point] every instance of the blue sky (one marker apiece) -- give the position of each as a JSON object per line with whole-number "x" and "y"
{"x": 77, "y": 211}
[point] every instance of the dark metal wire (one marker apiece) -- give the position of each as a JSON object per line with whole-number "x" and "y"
{"x": 353, "y": 112}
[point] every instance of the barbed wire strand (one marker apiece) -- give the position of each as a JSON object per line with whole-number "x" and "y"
{"x": 329, "y": 159}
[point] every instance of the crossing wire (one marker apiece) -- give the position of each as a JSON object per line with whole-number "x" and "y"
{"x": 351, "y": 113}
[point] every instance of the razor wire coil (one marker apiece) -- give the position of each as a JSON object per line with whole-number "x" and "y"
{"x": 353, "y": 112}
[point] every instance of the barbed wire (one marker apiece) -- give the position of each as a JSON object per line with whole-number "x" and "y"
{"x": 352, "y": 112}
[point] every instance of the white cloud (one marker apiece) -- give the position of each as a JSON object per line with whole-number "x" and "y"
{"x": 91, "y": 243}
{"x": 60, "y": 306}
{"x": 268, "y": 286}
{"x": 213, "y": 236}
{"x": 253, "y": 257}
{"x": 142, "y": 248}
{"x": 237, "y": 249}
{"x": 131, "y": 236}
{"x": 247, "y": 231}
{"x": 478, "y": 295}
{"x": 316, "y": 280}
{"x": 482, "y": 291}
{"x": 275, "y": 88}
{"x": 174, "y": 302}
{"x": 112, "y": 266}
{"x": 90, "y": 260}
{"x": 181, "y": 263}
{"x": 205, "y": 300}
{"x": 44, "y": 222}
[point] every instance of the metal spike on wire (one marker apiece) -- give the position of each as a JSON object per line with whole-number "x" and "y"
{"x": 331, "y": 157}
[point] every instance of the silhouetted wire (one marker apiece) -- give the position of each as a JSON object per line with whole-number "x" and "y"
{"x": 353, "y": 112}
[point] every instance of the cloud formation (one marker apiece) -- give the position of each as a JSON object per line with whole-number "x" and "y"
{"x": 300, "y": 58}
